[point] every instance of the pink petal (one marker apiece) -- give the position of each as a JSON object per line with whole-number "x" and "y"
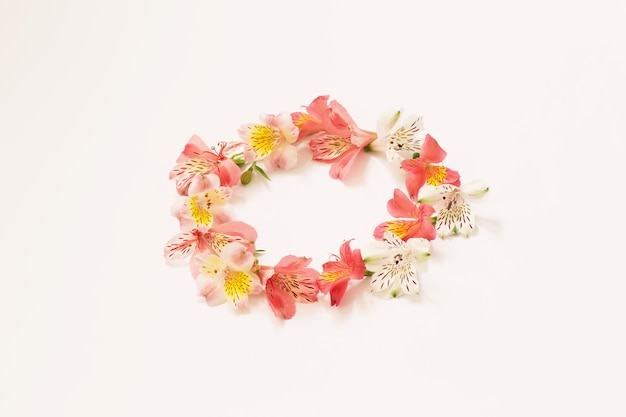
{"x": 181, "y": 246}
{"x": 236, "y": 254}
{"x": 196, "y": 148}
{"x": 338, "y": 290}
{"x": 413, "y": 182}
{"x": 431, "y": 151}
{"x": 228, "y": 173}
{"x": 342, "y": 166}
{"x": 284, "y": 157}
{"x": 211, "y": 290}
{"x": 452, "y": 177}
{"x": 282, "y": 304}
{"x": 237, "y": 228}
{"x": 291, "y": 264}
{"x": 400, "y": 205}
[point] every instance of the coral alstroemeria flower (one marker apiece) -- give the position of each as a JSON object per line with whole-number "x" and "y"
{"x": 454, "y": 214}
{"x": 197, "y": 160}
{"x": 422, "y": 170}
{"x": 205, "y": 204}
{"x": 228, "y": 277}
{"x": 399, "y": 138}
{"x": 416, "y": 219}
{"x": 334, "y": 137}
{"x": 291, "y": 282}
{"x": 273, "y": 139}
{"x": 337, "y": 274}
{"x": 213, "y": 240}
{"x": 396, "y": 266}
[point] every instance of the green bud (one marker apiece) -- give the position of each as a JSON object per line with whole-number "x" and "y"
{"x": 246, "y": 177}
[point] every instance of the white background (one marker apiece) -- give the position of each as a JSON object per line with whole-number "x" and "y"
{"x": 97, "y": 99}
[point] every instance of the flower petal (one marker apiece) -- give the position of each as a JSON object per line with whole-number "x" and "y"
{"x": 181, "y": 245}
{"x": 261, "y": 137}
{"x": 281, "y": 302}
{"x": 284, "y": 157}
{"x": 431, "y": 151}
{"x": 400, "y": 205}
{"x": 455, "y": 218}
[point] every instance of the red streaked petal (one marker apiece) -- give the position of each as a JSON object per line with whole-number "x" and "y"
{"x": 181, "y": 246}
{"x": 281, "y": 302}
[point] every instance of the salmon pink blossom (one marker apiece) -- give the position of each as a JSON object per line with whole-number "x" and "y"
{"x": 291, "y": 282}
{"x": 197, "y": 159}
{"x": 425, "y": 168}
{"x": 333, "y": 136}
{"x": 414, "y": 219}
{"x": 212, "y": 240}
{"x": 337, "y": 273}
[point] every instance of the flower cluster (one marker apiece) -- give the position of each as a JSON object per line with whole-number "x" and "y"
{"x": 224, "y": 260}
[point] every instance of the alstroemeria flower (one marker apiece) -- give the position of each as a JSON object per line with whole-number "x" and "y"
{"x": 228, "y": 277}
{"x": 425, "y": 168}
{"x": 454, "y": 214}
{"x": 399, "y": 138}
{"x": 337, "y": 273}
{"x": 204, "y": 205}
{"x": 414, "y": 219}
{"x": 396, "y": 265}
{"x": 197, "y": 159}
{"x": 272, "y": 140}
{"x": 334, "y": 137}
{"x": 212, "y": 240}
{"x": 290, "y": 282}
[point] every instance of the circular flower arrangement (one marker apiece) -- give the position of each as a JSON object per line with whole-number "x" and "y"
{"x": 224, "y": 260}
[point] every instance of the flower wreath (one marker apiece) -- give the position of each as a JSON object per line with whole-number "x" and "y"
{"x": 224, "y": 260}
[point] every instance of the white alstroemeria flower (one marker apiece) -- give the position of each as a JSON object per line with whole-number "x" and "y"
{"x": 400, "y": 139}
{"x": 454, "y": 214}
{"x": 395, "y": 265}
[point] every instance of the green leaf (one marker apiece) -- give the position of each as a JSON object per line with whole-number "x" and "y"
{"x": 416, "y": 155}
{"x": 368, "y": 273}
{"x": 260, "y": 170}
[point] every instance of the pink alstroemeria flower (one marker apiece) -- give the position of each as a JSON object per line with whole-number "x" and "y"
{"x": 213, "y": 240}
{"x": 334, "y": 137}
{"x": 337, "y": 273}
{"x": 197, "y": 159}
{"x": 205, "y": 205}
{"x": 422, "y": 170}
{"x": 291, "y": 282}
{"x": 272, "y": 139}
{"x": 228, "y": 277}
{"x": 419, "y": 225}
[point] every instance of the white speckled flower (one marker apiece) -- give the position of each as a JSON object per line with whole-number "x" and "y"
{"x": 454, "y": 214}
{"x": 395, "y": 265}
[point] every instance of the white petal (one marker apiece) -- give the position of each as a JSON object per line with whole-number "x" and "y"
{"x": 474, "y": 189}
{"x": 455, "y": 219}
{"x": 387, "y": 121}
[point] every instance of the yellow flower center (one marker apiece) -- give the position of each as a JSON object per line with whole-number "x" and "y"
{"x": 263, "y": 140}
{"x": 199, "y": 208}
{"x": 237, "y": 284}
{"x": 398, "y": 228}
{"x": 436, "y": 175}
{"x": 330, "y": 276}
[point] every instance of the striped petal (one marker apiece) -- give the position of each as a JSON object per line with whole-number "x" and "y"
{"x": 455, "y": 218}
{"x": 329, "y": 147}
{"x": 181, "y": 246}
